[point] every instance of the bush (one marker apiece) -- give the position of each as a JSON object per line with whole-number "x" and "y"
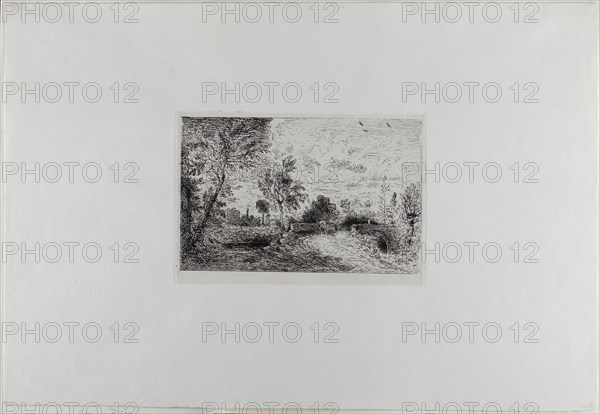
{"x": 261, "y": 240}
{"x": 250, "y": 221}
{"x": 320, "y": 210}
{"x": 233, "y": 216}
{"x": 382, "y": 244}
{"x": 355, "y": 219}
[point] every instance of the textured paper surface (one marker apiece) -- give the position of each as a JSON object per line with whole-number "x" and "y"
{"x": 373, "y": 57}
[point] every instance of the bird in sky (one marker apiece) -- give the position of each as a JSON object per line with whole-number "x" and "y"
{"x": 361, "y": 124}
{"x": 388, "y": 124}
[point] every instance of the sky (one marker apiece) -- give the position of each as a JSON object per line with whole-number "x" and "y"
{"x": 339, "y": 158}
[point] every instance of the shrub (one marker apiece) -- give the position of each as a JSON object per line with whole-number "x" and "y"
{"x": 233, "y": 216}
{"x": 320, "y": 210}
{"x": 382, "y": 244}
{"x": 356, "y": 219}
{"x": 250, "y": 221}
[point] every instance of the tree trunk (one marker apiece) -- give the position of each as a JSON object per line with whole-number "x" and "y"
{"x": 186, "y": 223}
{"x": 281, "y": 217}
{"x": 263, "y": 218}
{"x": 209, "y": 207}
{"x": 411, "y": 225}
{"x": 187, "y": 210}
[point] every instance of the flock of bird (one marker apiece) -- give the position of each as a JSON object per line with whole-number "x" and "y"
{"x": 361, "y": 124}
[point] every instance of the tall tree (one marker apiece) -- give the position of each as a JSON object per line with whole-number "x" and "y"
{"x": 190, "y": 201}
{"x": 411, "y": 208}
{"x": 226, "y": 146}
{"x": 278, "y": 186}
{"x": 383, "y": 207}
{"x": 263, "y": 207}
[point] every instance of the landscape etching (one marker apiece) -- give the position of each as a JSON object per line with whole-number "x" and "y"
{"x": 300, "y": 194}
